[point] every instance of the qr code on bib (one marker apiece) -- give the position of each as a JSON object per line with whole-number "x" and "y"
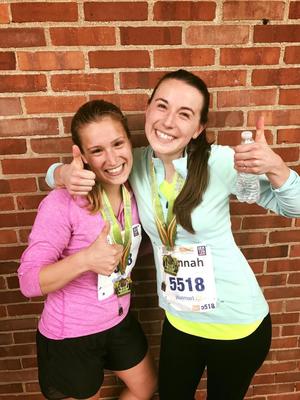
{"x": 201, "y": 250}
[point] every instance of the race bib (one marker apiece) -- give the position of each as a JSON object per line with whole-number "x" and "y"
{"x": 187, "y": 275}
{"x": 121, "y": 283}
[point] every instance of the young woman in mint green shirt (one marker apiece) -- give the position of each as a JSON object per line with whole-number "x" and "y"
{"x": 216, "y": 314}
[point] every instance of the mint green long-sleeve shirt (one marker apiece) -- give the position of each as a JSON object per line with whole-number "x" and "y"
{"x": 239, "y": 297}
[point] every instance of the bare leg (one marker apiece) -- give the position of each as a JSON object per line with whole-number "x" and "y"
{"x": 141, "y": 380}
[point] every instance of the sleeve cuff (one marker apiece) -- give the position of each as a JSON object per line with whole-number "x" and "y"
{"x": 293, "y": 177}
{"x": 50, "y": 175}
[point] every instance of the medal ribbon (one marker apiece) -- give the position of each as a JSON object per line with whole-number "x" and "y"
{"x": 108, "y": 215}
{"x": 166, "y": 229}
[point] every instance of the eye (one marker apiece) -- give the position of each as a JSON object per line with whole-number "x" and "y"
{"x": 119, "y": 143}
{"x": 161, "y": 106}
{"x": 96, "y": 151}
{"x": 185, "y": 115}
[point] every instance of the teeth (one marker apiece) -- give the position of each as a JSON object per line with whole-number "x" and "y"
{"x": 164, "y": 136}
{"x": 115, "y": 170}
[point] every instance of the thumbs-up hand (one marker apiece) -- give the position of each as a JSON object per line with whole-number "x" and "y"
{"x": 74, "y": 177}
{"x": 258, "y": 157}
{"x": 102, "y": 257}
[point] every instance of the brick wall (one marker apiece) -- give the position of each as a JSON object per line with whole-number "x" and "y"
{"x": 55, "y": 55}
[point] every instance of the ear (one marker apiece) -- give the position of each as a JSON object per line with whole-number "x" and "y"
{"x": 84, "y": 159}
{"x": 198, "y": 132}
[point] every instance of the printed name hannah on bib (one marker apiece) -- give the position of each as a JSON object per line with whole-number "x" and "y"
{"x": 187, "y": 276}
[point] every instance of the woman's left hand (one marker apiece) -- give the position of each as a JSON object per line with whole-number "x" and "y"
{"x": 258, "y": 158}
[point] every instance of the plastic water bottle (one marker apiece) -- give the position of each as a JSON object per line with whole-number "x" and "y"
{"x": 247, "y": 186}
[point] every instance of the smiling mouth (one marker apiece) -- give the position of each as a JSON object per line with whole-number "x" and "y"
{"x": 115, "y": 171}
{"x": 164, "y": 136}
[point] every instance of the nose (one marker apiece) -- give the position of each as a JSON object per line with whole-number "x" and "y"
{"x": 111, "y": 157}
{"x": 169, "y": 119}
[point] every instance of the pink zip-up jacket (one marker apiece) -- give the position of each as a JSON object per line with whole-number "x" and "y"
{"x": 63, "y": 226}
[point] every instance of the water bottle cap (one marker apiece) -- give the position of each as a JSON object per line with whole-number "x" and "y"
{"x": 246, "y": 135}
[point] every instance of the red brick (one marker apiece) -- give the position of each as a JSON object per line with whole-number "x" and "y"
{"x": 126, "y": 102}
{"x": 13, "y": 146}
{"x": 22, "y": 37}
{"x": 237, "y": 208}
{"x": 226, "y": 118}
{"x": 294, "y": 279}
{"x": 284, "y": 236}
{"x": 295, "y": 251}
{"x": 282, "y": 293}
{"x": 8, "y": 267}
{"x": 287, "y": 377}
{"x": 17, "y": 185}
{"x": 25, "y": 396}
{"x": 116, "y": 11}
{"x": 41, "y": 12}
{"x": 9, "y": 364}
{"x": 184, "y": 11}
{"x": 53, "y": 104}
{"x": 239, "y": 10}
{"x": 50, "y": 60}
{"x": 23, "y": 83}
{"x": 183, "y": 57}
{"x": 276, "y": 306}
{"x": 24, "y": 337}
{"x": 153, "y": 35}
{"x": 283, "y": 343}
{"x": 55, "y": 145}
{"x": 82, "y": 82}
{"x": 250, "y": 56}
{"x": 7, "y": 60}
{"x": 119, "y": 59}
{"x": 6, "y": 338}
{"x": 11, "y": 388}
{"x": 29, "y": 362}
{"x": 27, "y": 165}
{"x": 294, "y": 12}
{"x": 233, "y": 137}
{"x": 10, "y": 253}
{"x": 277, "y": 367}
{"x": 265, "y": 252}
{"x": 292, "y": 55}
{"x": 12, "y": 296}
{"x": 2, "y": 284}
{"x": 12, "y": 282}
{"x": 250, "y": 238}
{"x": 22, "y": 375}
{"x": 267, "y": 221}
{"x": 3, "y": 312}
{"x": 83, "y": 36}
{"x": 240, "y": 98}
{"x": 220, "y": 34}
{"x": 6, "y": 203}
{"x": 29, "y": 127}
{"x": 8, "y": 236}
{"x": 276, "y": 33}
{"x": 25, "y": 309}
{"x": 275, "y": 117}
{"x": 18, "y": 219}
{"x": 293, "y": 305}
{"x": 10, "y": 106}
{"x": 288, "y": 135}
{"x": 271, "y": 280}
{"x": 29, "y": 202}
{"x": 283, "y": 265}
{"x": 288, "y": 154}
{"x": 4, "y": 14}
{"x": 289, "y": 96}
{"x": 147, "y": 80}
